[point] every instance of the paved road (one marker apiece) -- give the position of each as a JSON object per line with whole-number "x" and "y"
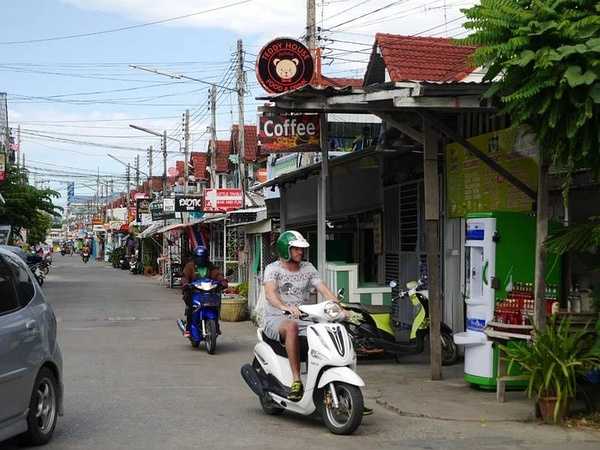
{"x": 132, "y": 382}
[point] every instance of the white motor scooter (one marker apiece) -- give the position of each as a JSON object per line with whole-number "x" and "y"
{"x": 328, "y": 362}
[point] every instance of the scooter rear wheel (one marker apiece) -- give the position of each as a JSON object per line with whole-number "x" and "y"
{"x": 348, "y": 416}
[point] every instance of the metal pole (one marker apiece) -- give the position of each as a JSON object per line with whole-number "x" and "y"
{"x": 225, "y": 246}
{"x": 164, "y": 152}
{"x": 241, "y": 130}
{"x": 128, "y": 173}
{"x": 137, "y": 171}
{"x": 186, "y": 148}
{"x": 322, "y": 198}
{"x": 213, "y": 136}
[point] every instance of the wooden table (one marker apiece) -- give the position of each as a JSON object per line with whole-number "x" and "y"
{"x": 501, "y": 333}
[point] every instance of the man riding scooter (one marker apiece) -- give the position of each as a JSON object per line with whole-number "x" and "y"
{"x": 288, "y": 282}
{"x": 198, "y": 267}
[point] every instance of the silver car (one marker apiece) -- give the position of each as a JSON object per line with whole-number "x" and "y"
{"x": 31, "y": 389}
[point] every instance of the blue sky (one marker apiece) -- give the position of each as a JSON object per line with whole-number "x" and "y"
{"x": 200, "y": 46}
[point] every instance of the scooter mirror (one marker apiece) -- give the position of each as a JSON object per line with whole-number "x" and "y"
{"x": 412, "y": 285}
{"x": 393, "y": 284}
{"x": 340, "y": 292}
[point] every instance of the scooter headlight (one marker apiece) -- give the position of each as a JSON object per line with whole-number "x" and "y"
{"x": 333, "y": 311}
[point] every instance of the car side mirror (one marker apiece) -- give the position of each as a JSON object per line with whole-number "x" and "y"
{"x": 393, "y": 284}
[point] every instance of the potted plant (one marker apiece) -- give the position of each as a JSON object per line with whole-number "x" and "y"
{"x": 552, "y": 362}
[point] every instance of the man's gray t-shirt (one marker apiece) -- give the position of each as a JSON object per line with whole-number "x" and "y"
{"x": 293, "y": 288}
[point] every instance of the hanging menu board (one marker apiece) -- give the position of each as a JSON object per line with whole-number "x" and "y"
{"x": 472, "y": 186}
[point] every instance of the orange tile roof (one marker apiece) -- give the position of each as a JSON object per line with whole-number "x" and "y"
{"x": 341, "y": 82}
{"x": 222, "y": 156}
{"x": 417, "y": 58}
{"x": 250, "y": 141}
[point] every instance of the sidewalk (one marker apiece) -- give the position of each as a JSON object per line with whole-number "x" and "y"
{"x": 407, "y": 389}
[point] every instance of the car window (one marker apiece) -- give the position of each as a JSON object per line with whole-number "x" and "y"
{"x": 24, "y": 285}
{"x": 8, "y": 295}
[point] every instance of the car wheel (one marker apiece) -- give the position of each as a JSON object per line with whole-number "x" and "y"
{"x": 43, "y": 409}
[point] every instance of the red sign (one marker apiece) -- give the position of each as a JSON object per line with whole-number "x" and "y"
{"x": 284, "y": 133}
{"x": 222, "y": 200}
{"x": 283, "y": 65}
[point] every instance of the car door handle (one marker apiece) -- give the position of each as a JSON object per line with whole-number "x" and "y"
{"x": 31, "y": 325}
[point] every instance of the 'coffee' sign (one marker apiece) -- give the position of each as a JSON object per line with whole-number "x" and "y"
{"x": 285, "y": 134}
{"x": 283, "y": 65}
{"x": 186, "y": 203}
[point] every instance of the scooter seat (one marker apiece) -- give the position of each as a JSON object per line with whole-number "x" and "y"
{"x": 279, "y": 348}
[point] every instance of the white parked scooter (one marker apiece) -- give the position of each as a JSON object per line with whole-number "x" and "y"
{"x": 331, "y": 385}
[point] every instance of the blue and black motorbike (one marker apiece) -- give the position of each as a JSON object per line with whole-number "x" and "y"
{"x": 206, "y": 303}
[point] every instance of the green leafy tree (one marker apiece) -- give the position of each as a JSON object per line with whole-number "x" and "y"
{"x": 26, "y": 206}
{"x": 544, "y": 56}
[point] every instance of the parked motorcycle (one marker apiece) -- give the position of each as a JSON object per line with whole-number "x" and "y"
{"x": 37, "y": 272}
{"x": 331, "y": 385}
{"x": 135, "y": 265}
{"x": 387, "y": 334}
{"x": 206, "y": 303}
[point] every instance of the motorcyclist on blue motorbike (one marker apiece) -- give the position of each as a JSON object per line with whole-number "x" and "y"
{"x": 198, "y": 267}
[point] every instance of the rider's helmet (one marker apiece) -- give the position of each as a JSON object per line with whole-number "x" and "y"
{"x": 289, "y": 239}
{"x": 201, "y": 256}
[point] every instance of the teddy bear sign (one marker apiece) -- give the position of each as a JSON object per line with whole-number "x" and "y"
{"x": 283, "y": 65}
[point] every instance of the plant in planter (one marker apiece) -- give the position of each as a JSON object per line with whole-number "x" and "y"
{"x": 552, "y": 362}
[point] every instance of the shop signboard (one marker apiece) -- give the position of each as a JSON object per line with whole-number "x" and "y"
{"x": 2, "y": 166}
{"x": 222, "y": 200}
{"x": 289, "y": 133}
{"x": 284, "y": 64}
{"x": 158, "y": 213}
{"x": 474, "y": 187}
{"x": 4, "y": 234}
{"x": 188, "y": 203}
{"x": 169, "y": 205}
{"x": 142, "y": 206}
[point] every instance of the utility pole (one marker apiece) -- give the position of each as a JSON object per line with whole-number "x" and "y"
{"x": 186, "y": 149}
{"x": 137, "y": 171}
{"x": 128, "y": 176}
{"x": 213, "y": 136}
{"x": 164, "y": 152}
{"x": 150, "y": 150}
{"x": 241, "y": 81}
{"x": 311, "y": 25}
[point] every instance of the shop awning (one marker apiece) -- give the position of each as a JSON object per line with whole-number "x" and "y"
{"x": 152, "y": 229}
{"x": 177, "y": 226}
{"x": 256, "y": 227}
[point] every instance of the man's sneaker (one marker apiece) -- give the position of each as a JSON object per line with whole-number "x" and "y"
{"x": 367, "y": 411}
{"x": 296, "y": 391}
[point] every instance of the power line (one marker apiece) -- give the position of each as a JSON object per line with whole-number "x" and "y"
{"x": 131, "y": 27}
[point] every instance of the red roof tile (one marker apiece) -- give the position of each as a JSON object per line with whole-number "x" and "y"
{"x": 180, "y": 166}
{"x": 341, "y": 82}
{"x": 250, "y": 141}
{"x": 199, "y": 161}
{"x": 222, "y": 156}
{"x": 416, "y": 58}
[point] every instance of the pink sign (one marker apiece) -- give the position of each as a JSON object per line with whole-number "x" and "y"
{"x": 222, "y": 200}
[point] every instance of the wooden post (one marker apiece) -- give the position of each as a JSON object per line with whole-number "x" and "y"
{"x": 322, "y": 198}
{"x": 543, "y": 211}
{"x": 432, "y": 243}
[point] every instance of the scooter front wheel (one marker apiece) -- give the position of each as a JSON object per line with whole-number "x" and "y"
{"x": 346, "y": 418}
{"x": 211, "y": 338}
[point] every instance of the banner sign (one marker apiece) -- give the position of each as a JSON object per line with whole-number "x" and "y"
{"x": 169, "y": 205}
{"x": 158, "y": 212}
{"x": 187, "y": 203}
{"x": 142, "y": 207}
{"x": 222, "y": 200}
{"x": 289, "y": 134}
{"x": 2, "y": 166}
{"x": 283, "y": 65}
